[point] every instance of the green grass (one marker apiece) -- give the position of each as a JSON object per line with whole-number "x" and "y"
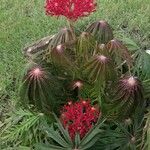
{"x": 24, "y": 21}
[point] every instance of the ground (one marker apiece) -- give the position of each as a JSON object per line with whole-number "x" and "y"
{"x": 24, "y": 21}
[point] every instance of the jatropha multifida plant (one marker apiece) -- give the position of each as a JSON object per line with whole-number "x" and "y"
{"x": 81, "y": 80}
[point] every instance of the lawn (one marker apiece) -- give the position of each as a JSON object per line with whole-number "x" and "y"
{"x": 24, "y": 21}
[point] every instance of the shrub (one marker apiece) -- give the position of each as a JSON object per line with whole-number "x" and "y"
{"x": 91, "y": 65}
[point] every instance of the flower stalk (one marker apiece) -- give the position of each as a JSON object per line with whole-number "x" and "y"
{"x": 72, "y": 28}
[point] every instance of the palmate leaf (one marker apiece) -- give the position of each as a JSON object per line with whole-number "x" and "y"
{"x": 85, "y": 46}
{"x": 99, "y": 71}
{"x": 64, "y": 36}
{"x": 63, "y": 131}
{"x": 60, "y": 136}
{"x": 101, "y": 30}
{"x": 37, "y": 50}
{"x": 142, "y": 64}
{"x": 127, "y": 96}
{"x": 100, "y": 68}
{"x": 119, "y": 52}
{"x": 40, "y": 89}
{"x": 60, "y": 57}
{"x": 91, "y": 92}
{"x": 123, "y": 136}
{"x": 63, "y": 140}
{"x": 130, "y": 44}
{"x": 92, "y": 136}
{"x": 146, "y": 86}
{"x": 55, "y": 135}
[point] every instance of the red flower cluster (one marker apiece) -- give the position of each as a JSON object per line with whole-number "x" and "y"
{"x": 79, "y": 117}
{"x": 71, "y": 9}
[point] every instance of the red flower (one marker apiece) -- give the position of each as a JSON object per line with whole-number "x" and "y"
{"x": 71, "y": 9}
{"x": 79, "y": 117}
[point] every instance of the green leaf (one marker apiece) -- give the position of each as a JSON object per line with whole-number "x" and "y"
{"x": 91, "y": 137}
{"x": 41, "y": 90}
{"x": 77, "y": 140}
{"x": 91, "y": 142}
{"x": 23, "y": 148}
{"x": 48, "y": 147}
{"x": 101, "y": 31}
{"x": 132, "y": 46}
{"x": 22, "y": 128}
{"x": 55, "y": 135}
{"x": 63, "y": 131}
{"x": 146, "y": 85}
{"x": 142, "y": 64}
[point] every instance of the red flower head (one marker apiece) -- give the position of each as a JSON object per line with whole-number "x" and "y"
{"x": 71, "y": 9}
{"x": 79, "y": 117}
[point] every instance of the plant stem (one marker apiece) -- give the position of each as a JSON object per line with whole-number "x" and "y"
{"x": 71, "y": 27}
